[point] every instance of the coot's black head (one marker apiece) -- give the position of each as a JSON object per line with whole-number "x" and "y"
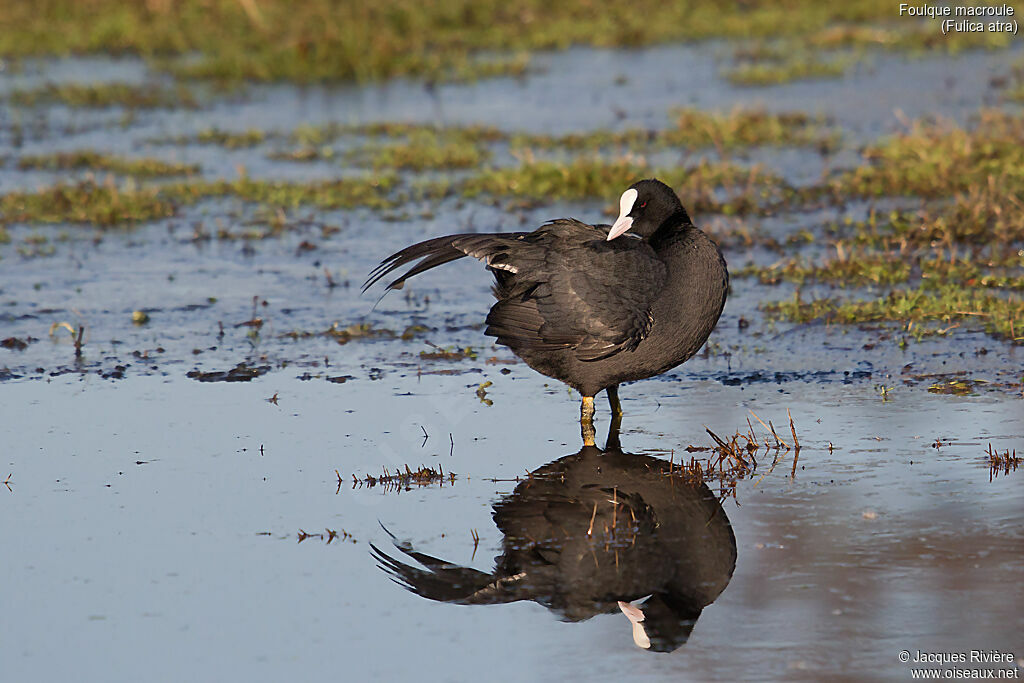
{"x": 646, "y": 206}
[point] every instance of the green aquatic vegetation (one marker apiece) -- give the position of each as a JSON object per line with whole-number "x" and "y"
{"x": 802, "y": 66}
{"x": 695, "y": 128}
{"x": 448, "y": 353}
{"x": 709, "y": 186}
{"x": 319, "y": 40}
{"x": 750, "y": 127}
{"x": 424, "y": 151}
{"x": 1015, "y": 90}
{"x": 310, "y": 136}
{"x": 418, "y": 157}
{"x": 851, "y": 272}
{"x": 103, "y": 95}
{"x": 373, "y": 192}
{"x": 933, "y": 269}
{"x": 344, "y": 335}
{"x": 941, "y": 159}
{"x": 304, "y": 154}
{"x": 246, "y": 138}
{"x": 216, "y": 136}
{"x": 400, "y": 145}
{"x": 989, "y": 215}
{"x": 86, "y": 202}
{"x": 515, "y": 66}
{"x": 632, "y": 138}
{"x": 314, "y": 136}
{"x": 775, "y": 59}
{"x": 910, "y": 36}
{"x": 1007, "y": 273}
{"x": 35, "y": 246}
{"x": 107, "y": 204}
{"x": 87, "y": 159}
{"x": 949, "y": 304}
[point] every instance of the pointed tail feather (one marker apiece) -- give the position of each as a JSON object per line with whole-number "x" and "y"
{"x": 434, "y": 252}
{"x": 493, "y": 248}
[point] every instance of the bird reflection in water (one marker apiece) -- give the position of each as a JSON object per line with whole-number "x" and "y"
{"x": 596, "y": 532}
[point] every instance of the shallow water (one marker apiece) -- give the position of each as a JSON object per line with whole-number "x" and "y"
{"x": 150, "y": 525}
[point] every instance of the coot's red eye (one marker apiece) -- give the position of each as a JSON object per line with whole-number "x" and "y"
{"x": 643, "y": 204}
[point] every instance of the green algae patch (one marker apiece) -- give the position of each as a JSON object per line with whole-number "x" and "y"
{"x": 86, "y": 202}
{"x": 94, "y": 161}
{"x": 103, "y": 95}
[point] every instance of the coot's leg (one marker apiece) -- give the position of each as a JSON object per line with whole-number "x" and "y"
{"x": 587, "y": 420}
{"x": 613, "y": 400}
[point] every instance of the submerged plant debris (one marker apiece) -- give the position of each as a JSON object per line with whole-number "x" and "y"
{"x": 242, "y": 372}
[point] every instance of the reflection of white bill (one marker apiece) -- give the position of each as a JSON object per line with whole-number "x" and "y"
{"x": 636, "y": 616}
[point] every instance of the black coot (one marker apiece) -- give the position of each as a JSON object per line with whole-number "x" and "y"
{"x": 587, "y": 306}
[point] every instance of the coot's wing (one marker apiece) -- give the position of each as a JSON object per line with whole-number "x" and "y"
{"x": 588, "y": 294}
{"x": 561, "y": 286}
{"x": 489, "y": 248}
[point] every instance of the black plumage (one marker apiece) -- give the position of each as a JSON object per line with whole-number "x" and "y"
{"x": 579, "y": 303}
